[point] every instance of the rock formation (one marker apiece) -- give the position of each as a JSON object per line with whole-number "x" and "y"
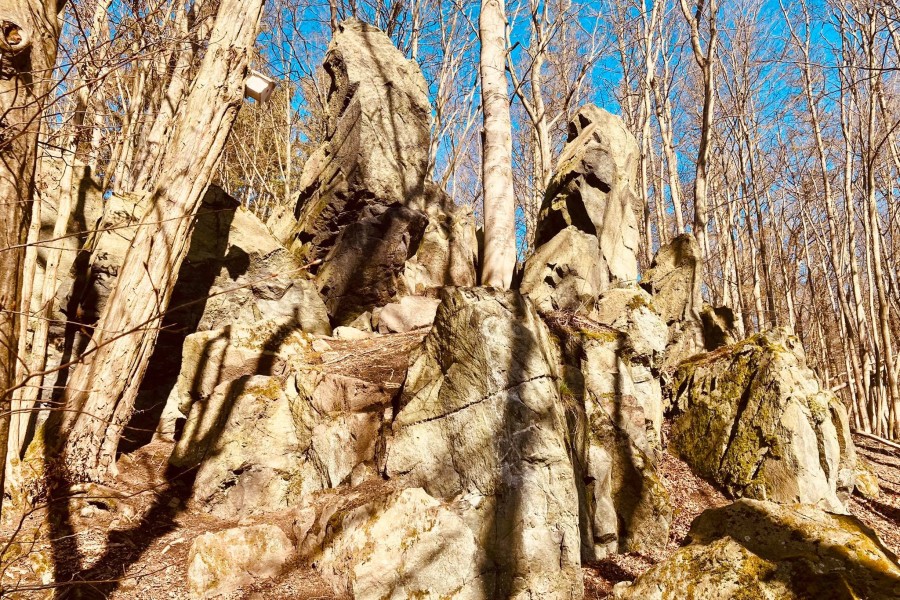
{"x": 366, "y": 207}
{"x": 481, "y": 421}
{"x": 363, "y": 553}
{"x": 222, "y": 562}
{"x": 447, "y": 440}
{"x": 271, "y": 414}
{"x": 592, "y": 192}
{"x": 753, "y": 419}
{"x": 754, "y": 549}
{"x": 565, "y": 273}
{"x": 614, "y": 419}
{"x": 674, "y": 280}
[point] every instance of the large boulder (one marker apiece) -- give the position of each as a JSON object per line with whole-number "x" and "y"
{"x": 631, "y": 310}
{"x": 404, "y": 544}
{"x": 242, "y": 273}
{"x": 448, "y": 251}
{"x": 411, "y": 312}
{"x": 753, "y": 419}
{"x": 594, "y": 190}
{"x": 675, "y": 280}
{"x": 223, "y": 561}
{"x": 753, "y": 549}
{"x": 246, "y": 448}
{"x": 366, "y": 207}
{"x": 220, "y": 356}
{"x": 481, "y": 420}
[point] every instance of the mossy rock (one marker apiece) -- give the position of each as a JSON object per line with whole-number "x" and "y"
{"x": 752, "y": 549}
{"x": 753, "y": 419}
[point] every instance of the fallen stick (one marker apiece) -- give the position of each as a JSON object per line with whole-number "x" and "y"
{"x": 872, "y": 436}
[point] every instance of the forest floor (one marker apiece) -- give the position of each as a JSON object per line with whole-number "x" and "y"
{"x": 133, "y": 541}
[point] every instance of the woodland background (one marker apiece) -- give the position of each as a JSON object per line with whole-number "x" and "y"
{"x": 770, "y": 130}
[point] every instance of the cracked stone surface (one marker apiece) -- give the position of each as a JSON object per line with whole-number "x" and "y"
{"x": 363, "y": 553}
{"x": 753, "y": 419}
{"x": 481, "y": 420}
{"x": 594, "y": 190}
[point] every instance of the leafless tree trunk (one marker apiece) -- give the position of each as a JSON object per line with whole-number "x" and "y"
{"x": 706, "y": 61}
{"x": 499, "y": 259}
{"x": 28, "y": 45}
{"x": 102, "y": 389}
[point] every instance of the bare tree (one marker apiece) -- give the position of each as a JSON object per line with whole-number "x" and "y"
{"x": 706, "y": 61}
{"x": 28, "y": 44}
{"x": 101, "y": 391}
{"x": 499, "y": 260}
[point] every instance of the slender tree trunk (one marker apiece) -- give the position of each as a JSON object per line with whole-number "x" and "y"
{"x": 664, "y": 118}
{"x": 154, "y": 144}
{"x": 102, "y": 389}
{"x": 86, "y": 85}
{"x": 20, "y": 397}
{"x": 28, "y": 44}
{"x": 499, "y": 260}
{"x": 706, "y": 60}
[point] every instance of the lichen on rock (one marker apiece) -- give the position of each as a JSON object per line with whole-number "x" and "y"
{"x": 753, "y": 419}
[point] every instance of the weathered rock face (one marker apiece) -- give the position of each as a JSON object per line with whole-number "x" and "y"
{"x": 273, "y": 414}
{"x": 366, "y": 206}
{"x": 565, "y": 273}
{"x": 624, "y": 505}
{"x": 364, "y": 266}
{"x": 245, "y": 271}
{"x": 754, "y": 549}
{"x": 220, "y": 356}
{"x": 245, "y": 445}
{"x": 481, "y": 420}
{"x": 412, "y": 312}
{"x": 594, "y": 191}
{"x": 719, "y": 326}
{"x": 633, "y": 311}
{"x": 110, "y": 243}
{"x": 403, "y": 545}
{"x": 674, "y": 280}
{"x": 222, "y": 562}
{"x": 378, "y": 124}
{"x": 448, "y": 251}
{"x": 866, "y": 481}
{"x": 753, "y": 419}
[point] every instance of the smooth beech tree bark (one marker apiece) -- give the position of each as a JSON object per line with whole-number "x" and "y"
{"x": 29, "y": 35}
{"x": 99, "y": 398}
{"x": 499, "y": 259}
